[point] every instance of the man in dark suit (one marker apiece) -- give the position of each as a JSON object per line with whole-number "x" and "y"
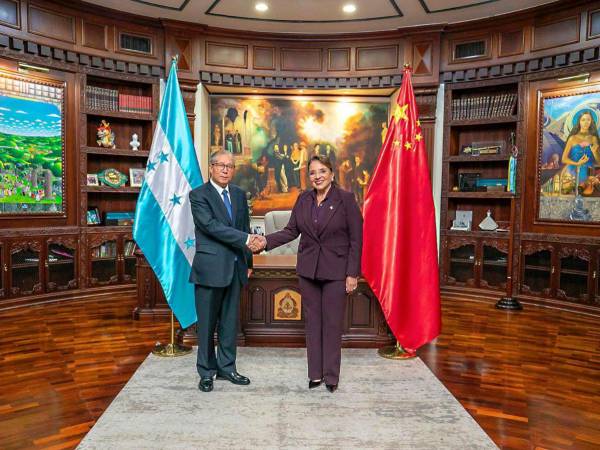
{"x": 222, "y": 264}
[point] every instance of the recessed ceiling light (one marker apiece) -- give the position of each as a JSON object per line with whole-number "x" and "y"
{"x": 349, "y": 8}
{"x": 262, "y": 7}
{"x": 301, "y": 91}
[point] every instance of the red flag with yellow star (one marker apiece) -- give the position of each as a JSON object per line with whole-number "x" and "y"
{"x": 400, "y": 259}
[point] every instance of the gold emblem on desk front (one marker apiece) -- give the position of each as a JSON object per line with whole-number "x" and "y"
{"x": 287, "y": 305}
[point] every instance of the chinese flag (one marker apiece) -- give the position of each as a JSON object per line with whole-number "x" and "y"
{"x": 399, "y": 258}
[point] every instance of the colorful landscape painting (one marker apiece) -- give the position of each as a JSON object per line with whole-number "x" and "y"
{"x": 31, "y": 147}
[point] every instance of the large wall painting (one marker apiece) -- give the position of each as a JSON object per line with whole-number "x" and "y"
{"x": 272, "y": 139}
{"x": 31, "y": 146}
{"x": 569, "y": 155}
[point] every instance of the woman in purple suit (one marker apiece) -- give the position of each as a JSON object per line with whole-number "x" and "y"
{"x": 328, "y": 265}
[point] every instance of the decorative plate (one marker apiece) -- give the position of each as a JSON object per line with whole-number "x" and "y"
{"x": 112, "y": 177}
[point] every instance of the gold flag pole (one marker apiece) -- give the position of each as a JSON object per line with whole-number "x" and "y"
{"x": 172, "y": 349}
{"x": 396, "y": 352}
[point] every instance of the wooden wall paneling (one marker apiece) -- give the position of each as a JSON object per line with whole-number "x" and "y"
{"x": 377, "y": 57}
{"x": 593, "y": 28}
{"x": 225, "y": 54}
{"x": 186, "y": 44}
{"x": 511, "y": 42}
{"x": 301, "y": 59}
{"x": 10, "y": 13}
{"x": 338, "y": 59}
{"x": 555, "y": 33}
{"x": 263, "y": 58}
{"x": 422, "y": 58}
{"x": 94, "y": 35}
{"x": 48, "y": 23}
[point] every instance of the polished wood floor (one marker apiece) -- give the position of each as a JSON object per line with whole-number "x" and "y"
{"x": 530, "y": 379}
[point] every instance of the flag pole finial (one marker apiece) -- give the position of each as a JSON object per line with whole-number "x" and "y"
{"x": 175, "y": 58}
{"x": 407, "y": 66}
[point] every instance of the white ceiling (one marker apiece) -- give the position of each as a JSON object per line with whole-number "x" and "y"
{"x": 321, "y": 16}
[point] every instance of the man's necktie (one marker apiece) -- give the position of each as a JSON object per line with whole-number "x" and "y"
{"x": 227, "y": 203}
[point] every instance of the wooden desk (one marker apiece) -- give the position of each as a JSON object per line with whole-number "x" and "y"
{"x": 270, "y": 310}
{"x": 274, "y": 277}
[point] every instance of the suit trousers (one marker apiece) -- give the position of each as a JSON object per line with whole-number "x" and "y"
{"x": 217, "y": 305}
{"x": 324, "y": 305}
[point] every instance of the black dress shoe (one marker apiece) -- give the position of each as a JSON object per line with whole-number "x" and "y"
{"x": 234, "y": 377}
{"x": 206, "y": 384}
{"x": 331, "y": 387}
{"x": 313, "y": 384}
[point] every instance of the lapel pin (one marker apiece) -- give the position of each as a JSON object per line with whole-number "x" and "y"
{"x": 331, "y": 207}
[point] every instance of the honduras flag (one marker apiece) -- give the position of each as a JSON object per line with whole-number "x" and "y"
{"x": 163, "y": 226}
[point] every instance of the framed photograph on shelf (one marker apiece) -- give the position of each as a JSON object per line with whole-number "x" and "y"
{"x": 568, "y": 155}
{"x": 32, "y": 146}
{"x": 93, "y": 216}
{"x": 136, "y": 177}
{"x": 92, "y": 179}
{"x": 257, "y": 225}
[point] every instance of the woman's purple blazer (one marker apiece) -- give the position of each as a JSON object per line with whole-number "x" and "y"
{"x": 333, "y": 252}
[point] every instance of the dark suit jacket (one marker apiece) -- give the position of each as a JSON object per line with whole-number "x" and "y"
{"x": 334, "y": 252}
{"x": 220, "y": 244}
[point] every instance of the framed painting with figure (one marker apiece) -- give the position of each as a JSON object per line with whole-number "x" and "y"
{"x": 273, "y": 138}
{"x": 569, "y": 155}
{"x": 32, "y": 147}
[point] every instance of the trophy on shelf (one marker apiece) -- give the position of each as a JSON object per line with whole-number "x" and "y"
{"x": 105, "y": 136}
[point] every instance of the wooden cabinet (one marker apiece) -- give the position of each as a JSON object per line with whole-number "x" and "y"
{"x": 25, "y": 267}
{"x": 559, "y": 271}
{"x": 110, "y": 258}
{"x": 61, "y": 263}
{"x": 33, "y": 265}
{"x": 482, "y": 122}
{"x": 3, "y": 271}
{"x": 128, "y": 105}
{"x": 480, "y": 262}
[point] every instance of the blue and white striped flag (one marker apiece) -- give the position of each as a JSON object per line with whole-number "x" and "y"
{"x": 163, "y": 226}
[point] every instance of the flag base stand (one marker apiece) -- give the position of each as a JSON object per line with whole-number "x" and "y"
{"x": 509, "y": 304}
{"x": 171, "y": 350}
{"x": 396, "y": 352}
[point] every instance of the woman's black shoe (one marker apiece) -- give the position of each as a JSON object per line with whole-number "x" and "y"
{"x": 313, "y": 384}
{"x": 331, "y": 387}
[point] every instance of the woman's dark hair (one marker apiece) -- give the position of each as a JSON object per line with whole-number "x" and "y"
{"x": 323, "y": 160}
{"x": 577, "y": 128}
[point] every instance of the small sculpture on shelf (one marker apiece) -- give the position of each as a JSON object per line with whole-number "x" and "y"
{"x": 134, "y": 144}
{"x": 105, "y": 136}
{"x": 488, "y": 224}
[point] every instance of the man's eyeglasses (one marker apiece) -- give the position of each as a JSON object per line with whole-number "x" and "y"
{"x": 222, "y": 166}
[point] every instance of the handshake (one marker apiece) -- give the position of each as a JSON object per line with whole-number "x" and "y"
{"x": 257, "y": 243}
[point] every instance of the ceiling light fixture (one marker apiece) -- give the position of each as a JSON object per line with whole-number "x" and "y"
{"x": 349, "y": 8}
{"x": 261, "y": 7}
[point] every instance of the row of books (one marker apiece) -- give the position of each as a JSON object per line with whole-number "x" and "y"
{"x": 109, "y": 250}
{"x": 129, "y": 249}
{"x": 484, "y": 106}
{"x": 104, "y": 99}
{"x": 106, "y": 250}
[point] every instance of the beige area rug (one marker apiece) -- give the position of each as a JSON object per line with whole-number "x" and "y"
{"x": 380, "y": 404}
